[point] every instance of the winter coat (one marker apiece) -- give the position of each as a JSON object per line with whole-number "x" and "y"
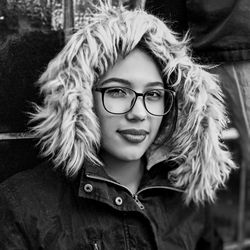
{"x": 42, "y": 209}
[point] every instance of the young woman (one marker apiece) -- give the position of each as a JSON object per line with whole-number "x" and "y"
{"x": 130, "y": 126}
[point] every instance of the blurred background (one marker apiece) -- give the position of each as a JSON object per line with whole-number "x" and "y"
{"x": 31, "y": 33}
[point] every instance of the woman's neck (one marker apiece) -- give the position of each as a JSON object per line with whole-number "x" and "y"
{"x": 127, "y": 173}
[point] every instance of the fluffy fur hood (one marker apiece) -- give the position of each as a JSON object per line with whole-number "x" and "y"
{"x": 68, "y": 128}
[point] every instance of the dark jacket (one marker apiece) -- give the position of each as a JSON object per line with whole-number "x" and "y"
{"x": 41, "y": 209}
{"x": 220, "y": 30}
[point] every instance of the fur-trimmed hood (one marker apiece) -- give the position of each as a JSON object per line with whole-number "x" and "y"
{"x": 68, "y": 127}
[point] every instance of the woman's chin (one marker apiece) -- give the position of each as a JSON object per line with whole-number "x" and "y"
{"x": 124, "y": 151}
{"x": 131, "y": 155}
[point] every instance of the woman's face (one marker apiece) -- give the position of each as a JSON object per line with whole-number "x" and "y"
{"x": 127, "y": 136}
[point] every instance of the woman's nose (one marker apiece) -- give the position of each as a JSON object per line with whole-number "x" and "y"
{"x": 138, "y": 112}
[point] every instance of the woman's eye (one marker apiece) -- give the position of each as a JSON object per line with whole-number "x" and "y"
{"x": 155, "y": 94}
{"x": 116, "y": 92}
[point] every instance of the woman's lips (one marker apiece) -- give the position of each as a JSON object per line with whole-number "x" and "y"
{"x": 133, "y": 135}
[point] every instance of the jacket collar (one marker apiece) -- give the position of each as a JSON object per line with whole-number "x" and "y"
{"x": 156, "y": 155}
{"x": 155, "y": 177}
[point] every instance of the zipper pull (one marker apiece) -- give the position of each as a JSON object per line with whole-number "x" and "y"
{"x": 137, "y": 201}
{"x": 95, "y": 246}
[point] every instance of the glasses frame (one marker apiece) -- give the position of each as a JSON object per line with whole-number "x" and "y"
{"x": 103, "y": 90}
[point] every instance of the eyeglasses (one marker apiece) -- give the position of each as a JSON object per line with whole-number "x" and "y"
{"x": 120, "y": 100}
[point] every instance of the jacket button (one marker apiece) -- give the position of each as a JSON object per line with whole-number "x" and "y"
{"x": 118, "y": 201}
{"x": 88, "y": 188}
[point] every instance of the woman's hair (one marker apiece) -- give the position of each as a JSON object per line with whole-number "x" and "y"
{"x": 68, "y": 127}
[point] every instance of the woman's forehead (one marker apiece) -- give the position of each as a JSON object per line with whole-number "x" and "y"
{"x": 136, "y": 67}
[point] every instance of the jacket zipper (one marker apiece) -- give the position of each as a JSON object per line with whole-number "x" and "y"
{"x": 95, "y": 246}
{"x": 138, "y": 202}
{"x": 134, "y": 196}
{"x": 118, "y": 184}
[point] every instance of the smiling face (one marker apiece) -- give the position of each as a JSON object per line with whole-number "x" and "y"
{"x": 128, "y": 136}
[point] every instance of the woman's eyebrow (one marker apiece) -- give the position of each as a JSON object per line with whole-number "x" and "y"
{"x": 118, "y": 80}
{"x": 155, "y": 84}
{"x": 128, "y": 83}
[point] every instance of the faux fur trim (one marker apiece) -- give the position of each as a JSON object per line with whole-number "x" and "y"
{"x": 69, "y": 129}
{"x": 204, "y": 161}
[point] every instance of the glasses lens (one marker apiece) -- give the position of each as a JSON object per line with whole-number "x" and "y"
{"x": 118, "y": 100}
{"x": 158, "y": 101}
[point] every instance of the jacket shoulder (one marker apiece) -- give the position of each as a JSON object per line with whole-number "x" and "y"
{"x": 31, "y": 178}
{"x": 40, "y": 184}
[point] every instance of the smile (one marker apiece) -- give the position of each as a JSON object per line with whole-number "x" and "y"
{"x": 134, "y": 135}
